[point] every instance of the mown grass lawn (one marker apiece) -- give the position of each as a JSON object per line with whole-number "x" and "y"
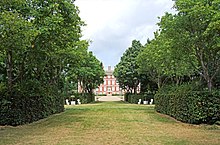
{"x": 114, "y": 123}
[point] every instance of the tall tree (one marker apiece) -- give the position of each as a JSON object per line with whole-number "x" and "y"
{"x": 195, "y": 30}
{"x": 16, "y": 34}
{"x": 39, "y": 40}
{"x": 161, "y": 60}
{"x": 126, "y": 70}
{"x": 90, "y": 74}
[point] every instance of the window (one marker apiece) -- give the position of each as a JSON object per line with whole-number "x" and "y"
{"x": 109, "y": 89}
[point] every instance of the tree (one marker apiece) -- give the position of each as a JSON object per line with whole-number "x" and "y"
{"x": 16, "y": 35}
{"x": 126, "y": 70}
{"x": 161, "y": 60}
{"x": 90, "y": 74}
{"x": 195, "y": 31}
{"x": 39, "y": 40}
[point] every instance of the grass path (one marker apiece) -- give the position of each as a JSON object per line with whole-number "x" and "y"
{"x": 110, "y": 123}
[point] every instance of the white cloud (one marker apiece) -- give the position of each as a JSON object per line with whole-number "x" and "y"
{"x": 101, "y": 13}
{"x": 113, "y": 24}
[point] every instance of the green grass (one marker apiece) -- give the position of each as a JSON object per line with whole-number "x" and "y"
{"x": 110, "y": 123}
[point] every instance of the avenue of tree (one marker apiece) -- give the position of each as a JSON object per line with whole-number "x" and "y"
{"x": 43, "y": 59}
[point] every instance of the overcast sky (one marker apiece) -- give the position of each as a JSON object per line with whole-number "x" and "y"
{"x": 113, "y": 24}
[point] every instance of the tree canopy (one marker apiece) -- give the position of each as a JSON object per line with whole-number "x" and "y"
{"x": 186, "y": 44}
{"x": 126, "y": 71}
{"x": 41, "y": 51}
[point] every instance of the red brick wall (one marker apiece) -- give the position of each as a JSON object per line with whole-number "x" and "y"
{"x": 107, "y": 87}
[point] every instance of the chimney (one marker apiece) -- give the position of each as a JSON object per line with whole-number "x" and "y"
{"x": 109, "y": 67}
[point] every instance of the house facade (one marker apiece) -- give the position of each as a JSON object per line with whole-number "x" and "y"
{"x": 110, "y": 86}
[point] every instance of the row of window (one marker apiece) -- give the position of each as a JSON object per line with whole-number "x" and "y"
{"x": 101, "y": 93}
{"x": 109, "y": 89}
{"x": 110, "y": 82}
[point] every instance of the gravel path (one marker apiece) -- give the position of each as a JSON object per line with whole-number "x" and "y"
{"x": 109, "y": 98}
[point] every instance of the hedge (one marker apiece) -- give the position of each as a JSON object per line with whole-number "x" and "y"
{"x": 18, "y": 110}
{"x": 194, "y": 107}
{"x": 134, "y": 98}
{"x": 84, "y": 97}
{"x": 101, "y": 95}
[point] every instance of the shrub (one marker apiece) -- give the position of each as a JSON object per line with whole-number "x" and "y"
{"x": 101, "y": 95}
{"x": 117, "y": 95}
{"x": 84, "y": 97}
{"x": 134, "y": 98}
{"x": 18, "y": 110}
{"x": 189, "y": 106}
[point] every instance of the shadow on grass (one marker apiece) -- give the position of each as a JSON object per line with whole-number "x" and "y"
{"x": 69, "y": 116}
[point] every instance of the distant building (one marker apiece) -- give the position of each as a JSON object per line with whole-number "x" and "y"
{"x": 110, "y": 85}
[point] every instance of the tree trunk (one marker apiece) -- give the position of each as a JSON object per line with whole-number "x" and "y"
{"x": 135, "y": 89}
{"x": 9, "y": 72}
{"x": 209, "y": 82}
{"x": 206, "y": 74}
{"x": 158, "y": 82}
{"x": 177, "y": 80}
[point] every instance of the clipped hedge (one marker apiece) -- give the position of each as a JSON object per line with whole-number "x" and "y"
{"x": 84, "y": 98}
{"x": 189, "y": 106}
{"x": 101, "y": 95}
{"x": 134, "y": 98}
{"x": 18, "y": 110}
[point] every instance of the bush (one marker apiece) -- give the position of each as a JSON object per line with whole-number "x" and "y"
{"x": 101, "y": 95}
{"x": 18, "y": 110}
{"x": 189, "y": 106}
{"x": 117, "y": 94}
{"x": 134, "y": 98}
{"x": 84, "y": 97}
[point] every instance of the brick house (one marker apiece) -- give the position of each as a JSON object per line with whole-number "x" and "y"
{"x": 110, "y": 85}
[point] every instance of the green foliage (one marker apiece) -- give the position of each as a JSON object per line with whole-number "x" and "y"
{"x": 189, "y": 106}
{"x": 40, "y": 48}
{"x": 160, "y": 60}
{"x": 84, "y": 97}
{"x": 126, "y": 71}
{"x": 103, "y": 94}
{"x": 134, "y": 98}
{"x": 193, "y": 31}
{"x": 20, "y": 109}
{"x": 90, "y": 74}
{"x": 186, "y": 44}
{"x": 113, "y": 95}
{"x": 183, "y": 55}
